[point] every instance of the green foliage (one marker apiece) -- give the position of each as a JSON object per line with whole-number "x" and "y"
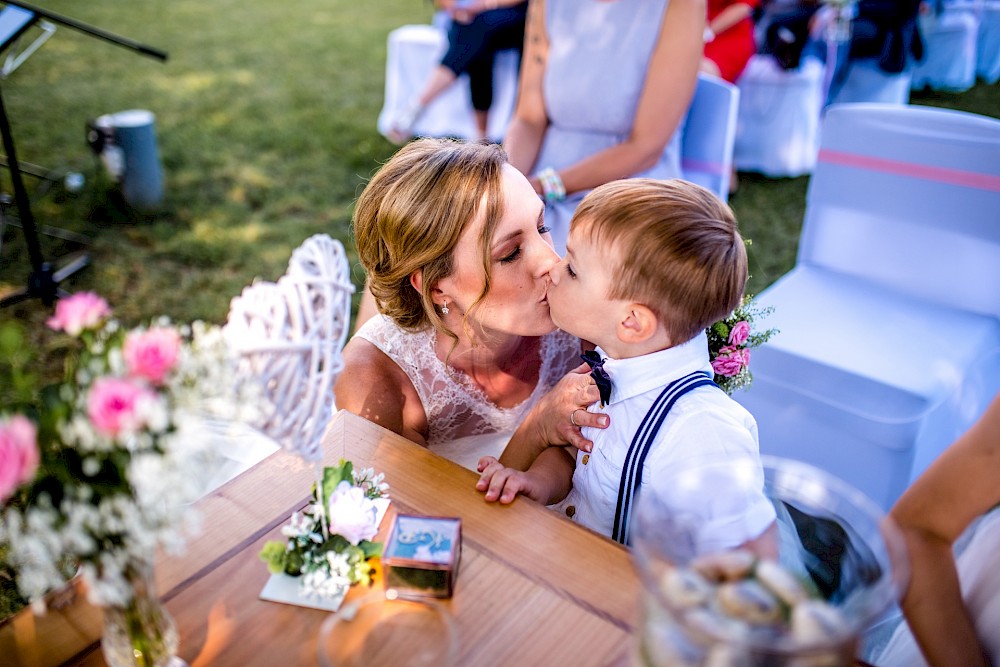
{"x": 273, "y": 554}
{"x": 18, "y": 381}
{"x": 332, "y": 476}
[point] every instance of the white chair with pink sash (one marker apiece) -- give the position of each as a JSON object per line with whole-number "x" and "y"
{"x": 889, "y": 343}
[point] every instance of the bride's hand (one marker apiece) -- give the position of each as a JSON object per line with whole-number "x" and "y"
{"x": 563, "y": 410}
{"x": 557, "y": 419}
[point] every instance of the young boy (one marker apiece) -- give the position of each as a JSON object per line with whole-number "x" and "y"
{"x": 649, "y": 265}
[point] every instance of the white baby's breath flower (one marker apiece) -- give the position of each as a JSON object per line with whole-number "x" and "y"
{"x": 91, "y": 466}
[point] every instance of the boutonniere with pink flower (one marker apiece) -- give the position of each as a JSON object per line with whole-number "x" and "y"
{"x": 730, "y": 341}
{"x": 98, "y": 470}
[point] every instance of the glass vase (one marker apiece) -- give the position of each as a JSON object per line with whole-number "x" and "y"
{"x": 140, "y": 633}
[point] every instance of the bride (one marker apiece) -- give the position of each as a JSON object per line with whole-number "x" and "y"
{"x": 463, "y": 352}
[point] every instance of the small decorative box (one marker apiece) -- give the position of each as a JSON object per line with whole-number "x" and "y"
{"x": 421, "y": 556}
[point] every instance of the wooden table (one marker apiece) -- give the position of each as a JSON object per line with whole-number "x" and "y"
{"x": 532, "y": 589}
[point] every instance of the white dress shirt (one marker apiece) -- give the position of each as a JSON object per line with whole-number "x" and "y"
{"x": 704, "y": 425}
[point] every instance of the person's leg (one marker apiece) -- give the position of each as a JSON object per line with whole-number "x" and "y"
{"x": 480, "y": 73}
{"x": 468, "y": 45}
{"x": 464, "y": 44}
{"x": 440, "y": 78}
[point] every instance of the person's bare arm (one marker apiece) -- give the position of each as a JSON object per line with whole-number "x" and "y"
{"x": 548, "y": 480}
{"x": 526, "y": 130}
{"x": 960, "y": 485}
{"x": 372, "y": 386}
{"x": 729, "y": 17}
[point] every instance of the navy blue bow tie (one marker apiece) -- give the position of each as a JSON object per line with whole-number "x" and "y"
{"x": 600, "y": 375}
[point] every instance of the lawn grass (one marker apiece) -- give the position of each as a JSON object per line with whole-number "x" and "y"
{"x": 266, "y": 131}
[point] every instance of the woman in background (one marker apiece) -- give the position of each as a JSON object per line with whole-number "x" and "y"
{"x": 604, "y": 87}
{"x": 729, "y": 38}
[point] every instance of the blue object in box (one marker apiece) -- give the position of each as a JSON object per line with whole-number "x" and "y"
{"x": 421, "y": 556}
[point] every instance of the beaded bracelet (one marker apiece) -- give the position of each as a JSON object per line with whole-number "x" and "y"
{"x": 552, "y": 185}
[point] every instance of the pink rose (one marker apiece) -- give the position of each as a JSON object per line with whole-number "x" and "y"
{"x": 739, "y": 333}
{"x": 18, "y": 454}
{"x": 729, "y": 362}
{"x": 114, "y": 406}
{"x": 152, "y": 354}
{"x": 83, "y": 310}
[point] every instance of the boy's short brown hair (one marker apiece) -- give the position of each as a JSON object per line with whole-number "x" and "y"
{"x": 673, "y": 246}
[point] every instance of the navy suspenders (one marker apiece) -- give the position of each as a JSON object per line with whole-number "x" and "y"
{"x": 641, "y": 443}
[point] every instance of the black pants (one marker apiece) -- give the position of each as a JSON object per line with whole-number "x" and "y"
{"x": 472, "y": 47}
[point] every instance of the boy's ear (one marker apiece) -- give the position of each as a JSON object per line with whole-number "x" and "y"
{"x": 639, "y": 324}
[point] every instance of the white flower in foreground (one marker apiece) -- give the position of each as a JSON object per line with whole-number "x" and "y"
{"x": 352, "y": 514}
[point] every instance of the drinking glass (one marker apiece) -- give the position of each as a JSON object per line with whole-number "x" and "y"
{"x": 377, "y": 630}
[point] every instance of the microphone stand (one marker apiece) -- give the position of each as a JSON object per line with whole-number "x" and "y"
{"x": 44, "y": 279}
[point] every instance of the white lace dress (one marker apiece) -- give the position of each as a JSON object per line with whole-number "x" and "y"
{"x": 463, "y": 423}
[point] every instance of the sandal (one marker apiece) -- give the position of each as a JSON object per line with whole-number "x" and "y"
{"x": 402, "y": 121}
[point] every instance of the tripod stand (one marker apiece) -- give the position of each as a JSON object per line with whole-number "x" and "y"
{"x": 44, "y": 279}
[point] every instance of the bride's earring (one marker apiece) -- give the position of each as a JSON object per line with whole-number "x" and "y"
{"x": 444, "y": 308}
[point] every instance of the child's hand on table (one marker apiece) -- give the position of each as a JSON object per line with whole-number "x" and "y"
{"x": 504, "y": 484}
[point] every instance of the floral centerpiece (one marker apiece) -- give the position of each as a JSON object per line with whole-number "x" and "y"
{"x": 99, "y": 470}
{"x": 330, "y": 542}
{"x": 730, "y": 341}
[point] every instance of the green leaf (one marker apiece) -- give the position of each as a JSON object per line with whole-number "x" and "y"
{"x": 273, "y": 554}
{"x": 293, "y": 562}
{"x": 371, "y": 549}
{"x": 334, "y": 475}
{"x": 336, "y": 543}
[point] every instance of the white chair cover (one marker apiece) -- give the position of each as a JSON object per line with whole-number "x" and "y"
{"x": 890, "y": 322}
{"x": 710, "y": 135}
{"x": 867, "y": 82}
{"x": 949, "y": 61}
{"x": 412, "y": 53}
{"x": 777, "y": 128}
{"x": 988, "y": 47}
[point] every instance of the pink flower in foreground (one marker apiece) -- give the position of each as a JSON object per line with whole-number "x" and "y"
{"x": 739, "y": 333}
{"x": 729, "y": 362}
{"x": 83, "y": 310}
{"x": 113, "y": 406}
{"x": 18, "y": 454}
{"x": 152, "y": 354}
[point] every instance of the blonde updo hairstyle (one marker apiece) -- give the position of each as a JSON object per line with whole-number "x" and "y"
{"x": 410, "y": 217}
